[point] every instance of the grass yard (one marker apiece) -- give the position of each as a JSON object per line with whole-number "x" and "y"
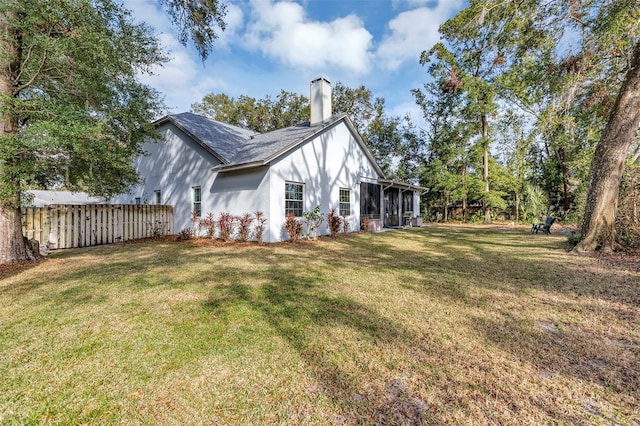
{"x": 439, "y": 325}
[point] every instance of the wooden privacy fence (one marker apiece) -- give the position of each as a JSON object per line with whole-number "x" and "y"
{"x": 67, "y": 226}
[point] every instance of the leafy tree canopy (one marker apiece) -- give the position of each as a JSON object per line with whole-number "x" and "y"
{"x": 197, "y": 21}
{"x": 73, "y": 113}
{"x": 262, "y": 115}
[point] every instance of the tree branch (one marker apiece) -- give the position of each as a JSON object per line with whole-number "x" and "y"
{"x": 35, "y": 75}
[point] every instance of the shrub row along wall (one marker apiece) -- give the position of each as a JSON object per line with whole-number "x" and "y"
{"x": 68, "y": 226}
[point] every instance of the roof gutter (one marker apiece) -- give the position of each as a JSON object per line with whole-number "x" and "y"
{"x": 402, "y": 185}
{"x": 233, "y": 167}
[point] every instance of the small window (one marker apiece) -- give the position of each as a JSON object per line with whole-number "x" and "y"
{"x": 197, "y": 201}
{"x": 293, "y": 197}
{"x": 138, "y": 200}
{"x": 158, "y": 196}
{"x": 345, "y": 202}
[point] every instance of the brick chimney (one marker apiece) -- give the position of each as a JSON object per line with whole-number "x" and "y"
{"x": 320, "y": 99}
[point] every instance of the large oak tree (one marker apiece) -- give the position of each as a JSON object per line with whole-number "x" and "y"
{"x": 72, "y": 111}
{"x": 598, "y": 226}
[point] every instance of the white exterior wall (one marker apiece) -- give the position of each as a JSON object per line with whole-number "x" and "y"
{"x": 173, "y": 166}
{"x": 330, "y": 161}
{"x": 177, "y": 164}
{"x": 238, "y": 192}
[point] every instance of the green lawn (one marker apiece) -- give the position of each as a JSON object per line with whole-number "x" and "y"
{"x": 422, "y": 326}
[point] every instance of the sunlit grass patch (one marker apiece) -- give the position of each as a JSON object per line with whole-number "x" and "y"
{"x": 433, "y": 325}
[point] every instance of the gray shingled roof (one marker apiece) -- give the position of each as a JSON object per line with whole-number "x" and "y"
{"x": 236, "y": 146}
{"x": 222, "y": 140}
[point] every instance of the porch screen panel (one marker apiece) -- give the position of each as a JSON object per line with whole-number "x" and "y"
{"x": 370, "y": 200}
{"x": 407, "y": 202}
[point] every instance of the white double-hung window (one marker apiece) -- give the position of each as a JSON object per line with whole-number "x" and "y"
{"x": 293, "y": 198}
{"x": 345, "y": 202}
{"x": 196, "y": 200}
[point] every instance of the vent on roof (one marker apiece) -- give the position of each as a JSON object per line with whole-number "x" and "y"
{"x": 320, "y": 99}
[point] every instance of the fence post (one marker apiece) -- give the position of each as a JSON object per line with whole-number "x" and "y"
{"x": 53, "y": 227}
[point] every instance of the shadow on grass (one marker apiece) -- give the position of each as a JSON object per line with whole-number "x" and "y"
{"x": 490, "y": 259}
{"x": 455, "y": 266}
{"x": 566, "y": 348}
{"x": 294, "y": 304}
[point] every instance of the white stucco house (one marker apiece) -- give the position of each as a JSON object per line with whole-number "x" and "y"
{"x": 206, "y": 166}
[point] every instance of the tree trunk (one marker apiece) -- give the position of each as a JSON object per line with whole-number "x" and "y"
{"x": 12, "y": 244}
{"x": 598, "y": 226}
{"x": 564, "y": 171}
{"x": 485, "y": 164}
{"x": 446, "y": 206}
{"x": 13, "y": 247}
{"x": 636, "y": 154}
{"x": 517, "y": 206}
{"x": 464, "y": 197}
{"x": 464, "y": 208}
{"x": 566, "y": 193}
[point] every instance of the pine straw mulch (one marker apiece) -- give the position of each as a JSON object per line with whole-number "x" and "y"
{"x": 628, "y": 259}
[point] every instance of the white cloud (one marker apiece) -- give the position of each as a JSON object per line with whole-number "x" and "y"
{"x": 234, "y": 21}
{"x": 410, "y": 3}
{"x": 183, "y": 80}
{"x": 281, "y": 30}
{"x": 275, "y": 44}
{"x": 412, "y": 32}
{"x": 149, "y": 12}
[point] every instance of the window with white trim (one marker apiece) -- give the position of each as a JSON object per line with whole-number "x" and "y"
{"x": 158, "y": 196}
{"x": 293, "y": 198}
{"x": 345, "y": 202}
{"x": 197, "y": 200}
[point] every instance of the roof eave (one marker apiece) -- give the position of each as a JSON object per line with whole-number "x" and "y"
{"x": 343, "y": 117}
{"x": 301, "y": 141}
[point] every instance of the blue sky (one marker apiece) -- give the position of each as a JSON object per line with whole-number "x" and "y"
{"x": 271, "y": 45}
